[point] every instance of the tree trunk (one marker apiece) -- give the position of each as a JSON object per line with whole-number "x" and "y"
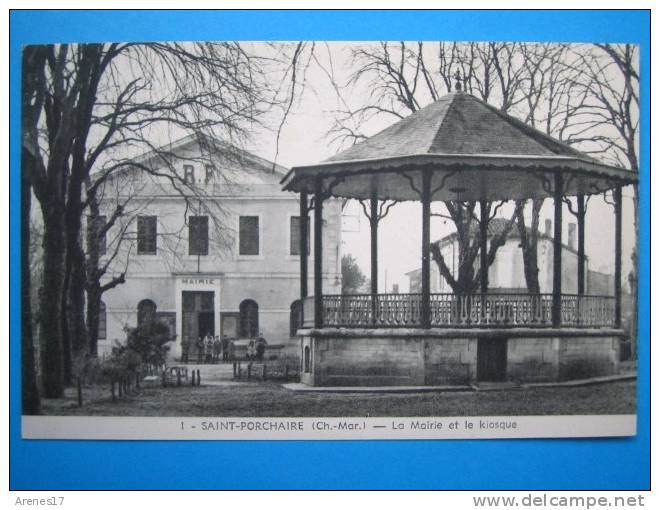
{"x": 633, "y": 277}
{"x": 529, "y": 245}
{"x": 73, "y": 318}
{"x": 52, "y": 350}
{"x": 29, "y": 388}
{"x": 93, "y": 286}
{"x": 76, "y": 302}
{"x": 93, "y": 310}
{"x": 64, "y": 326}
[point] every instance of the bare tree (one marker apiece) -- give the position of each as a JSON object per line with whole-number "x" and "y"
{"x": 115, "y": 200}
{"x": 30, "y": 111}
{"x": 466, "y": 279}
{"x": 403, "y": 77}
{"x": 91, "y": 104}
{"x": 552, "y": 100}
{"x": 611, "y": 122}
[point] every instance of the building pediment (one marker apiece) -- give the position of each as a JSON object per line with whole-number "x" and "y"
{"x": 199, "y": 161}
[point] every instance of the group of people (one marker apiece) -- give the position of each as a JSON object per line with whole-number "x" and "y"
{"x": 256, "y": 348}
{"x": 208, "y": 348}
{"x": 211, "y": 348}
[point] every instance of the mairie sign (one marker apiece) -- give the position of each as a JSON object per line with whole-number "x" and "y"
{"x": 198, "y": 281}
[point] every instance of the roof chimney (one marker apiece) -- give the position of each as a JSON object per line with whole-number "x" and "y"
{"x": 548, "y": 227}
{"x": 571, "y": 235}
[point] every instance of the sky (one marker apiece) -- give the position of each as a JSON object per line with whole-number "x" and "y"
{"x": 304, "y": 140}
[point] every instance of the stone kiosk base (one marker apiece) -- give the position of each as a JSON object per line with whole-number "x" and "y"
{"x": 417, "y": 357}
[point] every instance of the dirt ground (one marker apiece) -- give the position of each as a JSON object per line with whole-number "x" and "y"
{"x": 271, "y": 399}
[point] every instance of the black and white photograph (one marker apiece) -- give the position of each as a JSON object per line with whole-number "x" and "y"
{"x": 329, "y": 240}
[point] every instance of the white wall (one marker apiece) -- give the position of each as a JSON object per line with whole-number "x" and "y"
{"x": 271, "y": 278}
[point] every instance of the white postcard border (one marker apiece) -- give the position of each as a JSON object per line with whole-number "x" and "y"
{"x": 323, "y": 428}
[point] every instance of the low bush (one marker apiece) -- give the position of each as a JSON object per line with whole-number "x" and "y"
{"x": 145, "y": 348}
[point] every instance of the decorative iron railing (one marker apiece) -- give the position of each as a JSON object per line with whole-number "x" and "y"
{"x": 469, "y": 310}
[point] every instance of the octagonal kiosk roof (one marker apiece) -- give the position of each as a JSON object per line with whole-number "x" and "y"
{"x": 475, "y": 152}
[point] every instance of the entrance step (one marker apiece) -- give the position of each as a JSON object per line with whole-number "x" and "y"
{"x": 496, "y": 386}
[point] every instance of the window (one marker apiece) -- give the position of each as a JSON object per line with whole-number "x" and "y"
{"x": 248, "y": 235}
{"x": 94, "y": 225}
{"x": 295, "y": 317}
{"x": 248, "y": 319}
{"x": 198, "y": 235}
{"x": 102, "y": 322}
{"x": 188, "y": 174}
{"x": 210, "y": 172}
{"x": 147, "y": 231}
{"x": 146, "y": 311}
{"x": 294, "y": 236}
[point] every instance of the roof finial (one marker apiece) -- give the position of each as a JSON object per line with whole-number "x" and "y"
{"x": 457, "y": 77}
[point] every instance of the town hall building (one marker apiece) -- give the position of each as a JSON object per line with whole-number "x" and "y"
{"x": 213, "y": 251}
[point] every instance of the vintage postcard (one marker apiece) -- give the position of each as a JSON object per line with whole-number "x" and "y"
{"x": 329, "y": 240}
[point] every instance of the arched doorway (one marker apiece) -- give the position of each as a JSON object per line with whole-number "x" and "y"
{"x": 295, "y": 317}
{"x": 249, "y": 319}
{"x": 146, "y": 311}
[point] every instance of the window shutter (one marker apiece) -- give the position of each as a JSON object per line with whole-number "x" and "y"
{"x": 248, "y": 235}
{"x": 294, "y": 249}
{"x": 198, "y": 235}
{"x": 147, "y": 233}
{"x": 102, "y": 331}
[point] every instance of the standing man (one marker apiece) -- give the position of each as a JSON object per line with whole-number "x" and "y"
{"x": 261, "y": 346}
{"x": 217, "y": 347}
{"x": 208, "y": 345}
{"x": 231, "y": 349}
{"x": 200, "y": 349}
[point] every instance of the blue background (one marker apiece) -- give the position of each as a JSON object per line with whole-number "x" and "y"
{"x": 497, "y": 464}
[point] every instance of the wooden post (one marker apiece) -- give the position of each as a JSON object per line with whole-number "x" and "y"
{"x": 304, "y": 243}
{"x": 373, "y": 223}
{"x": 581, "y": 255}
{"x": 483, "y": 256}
{"x": 617, "y": 256}
{"x": 556, "y": 251}
{"x": 318, "y": 253}
{"x": 426, "y": 249}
